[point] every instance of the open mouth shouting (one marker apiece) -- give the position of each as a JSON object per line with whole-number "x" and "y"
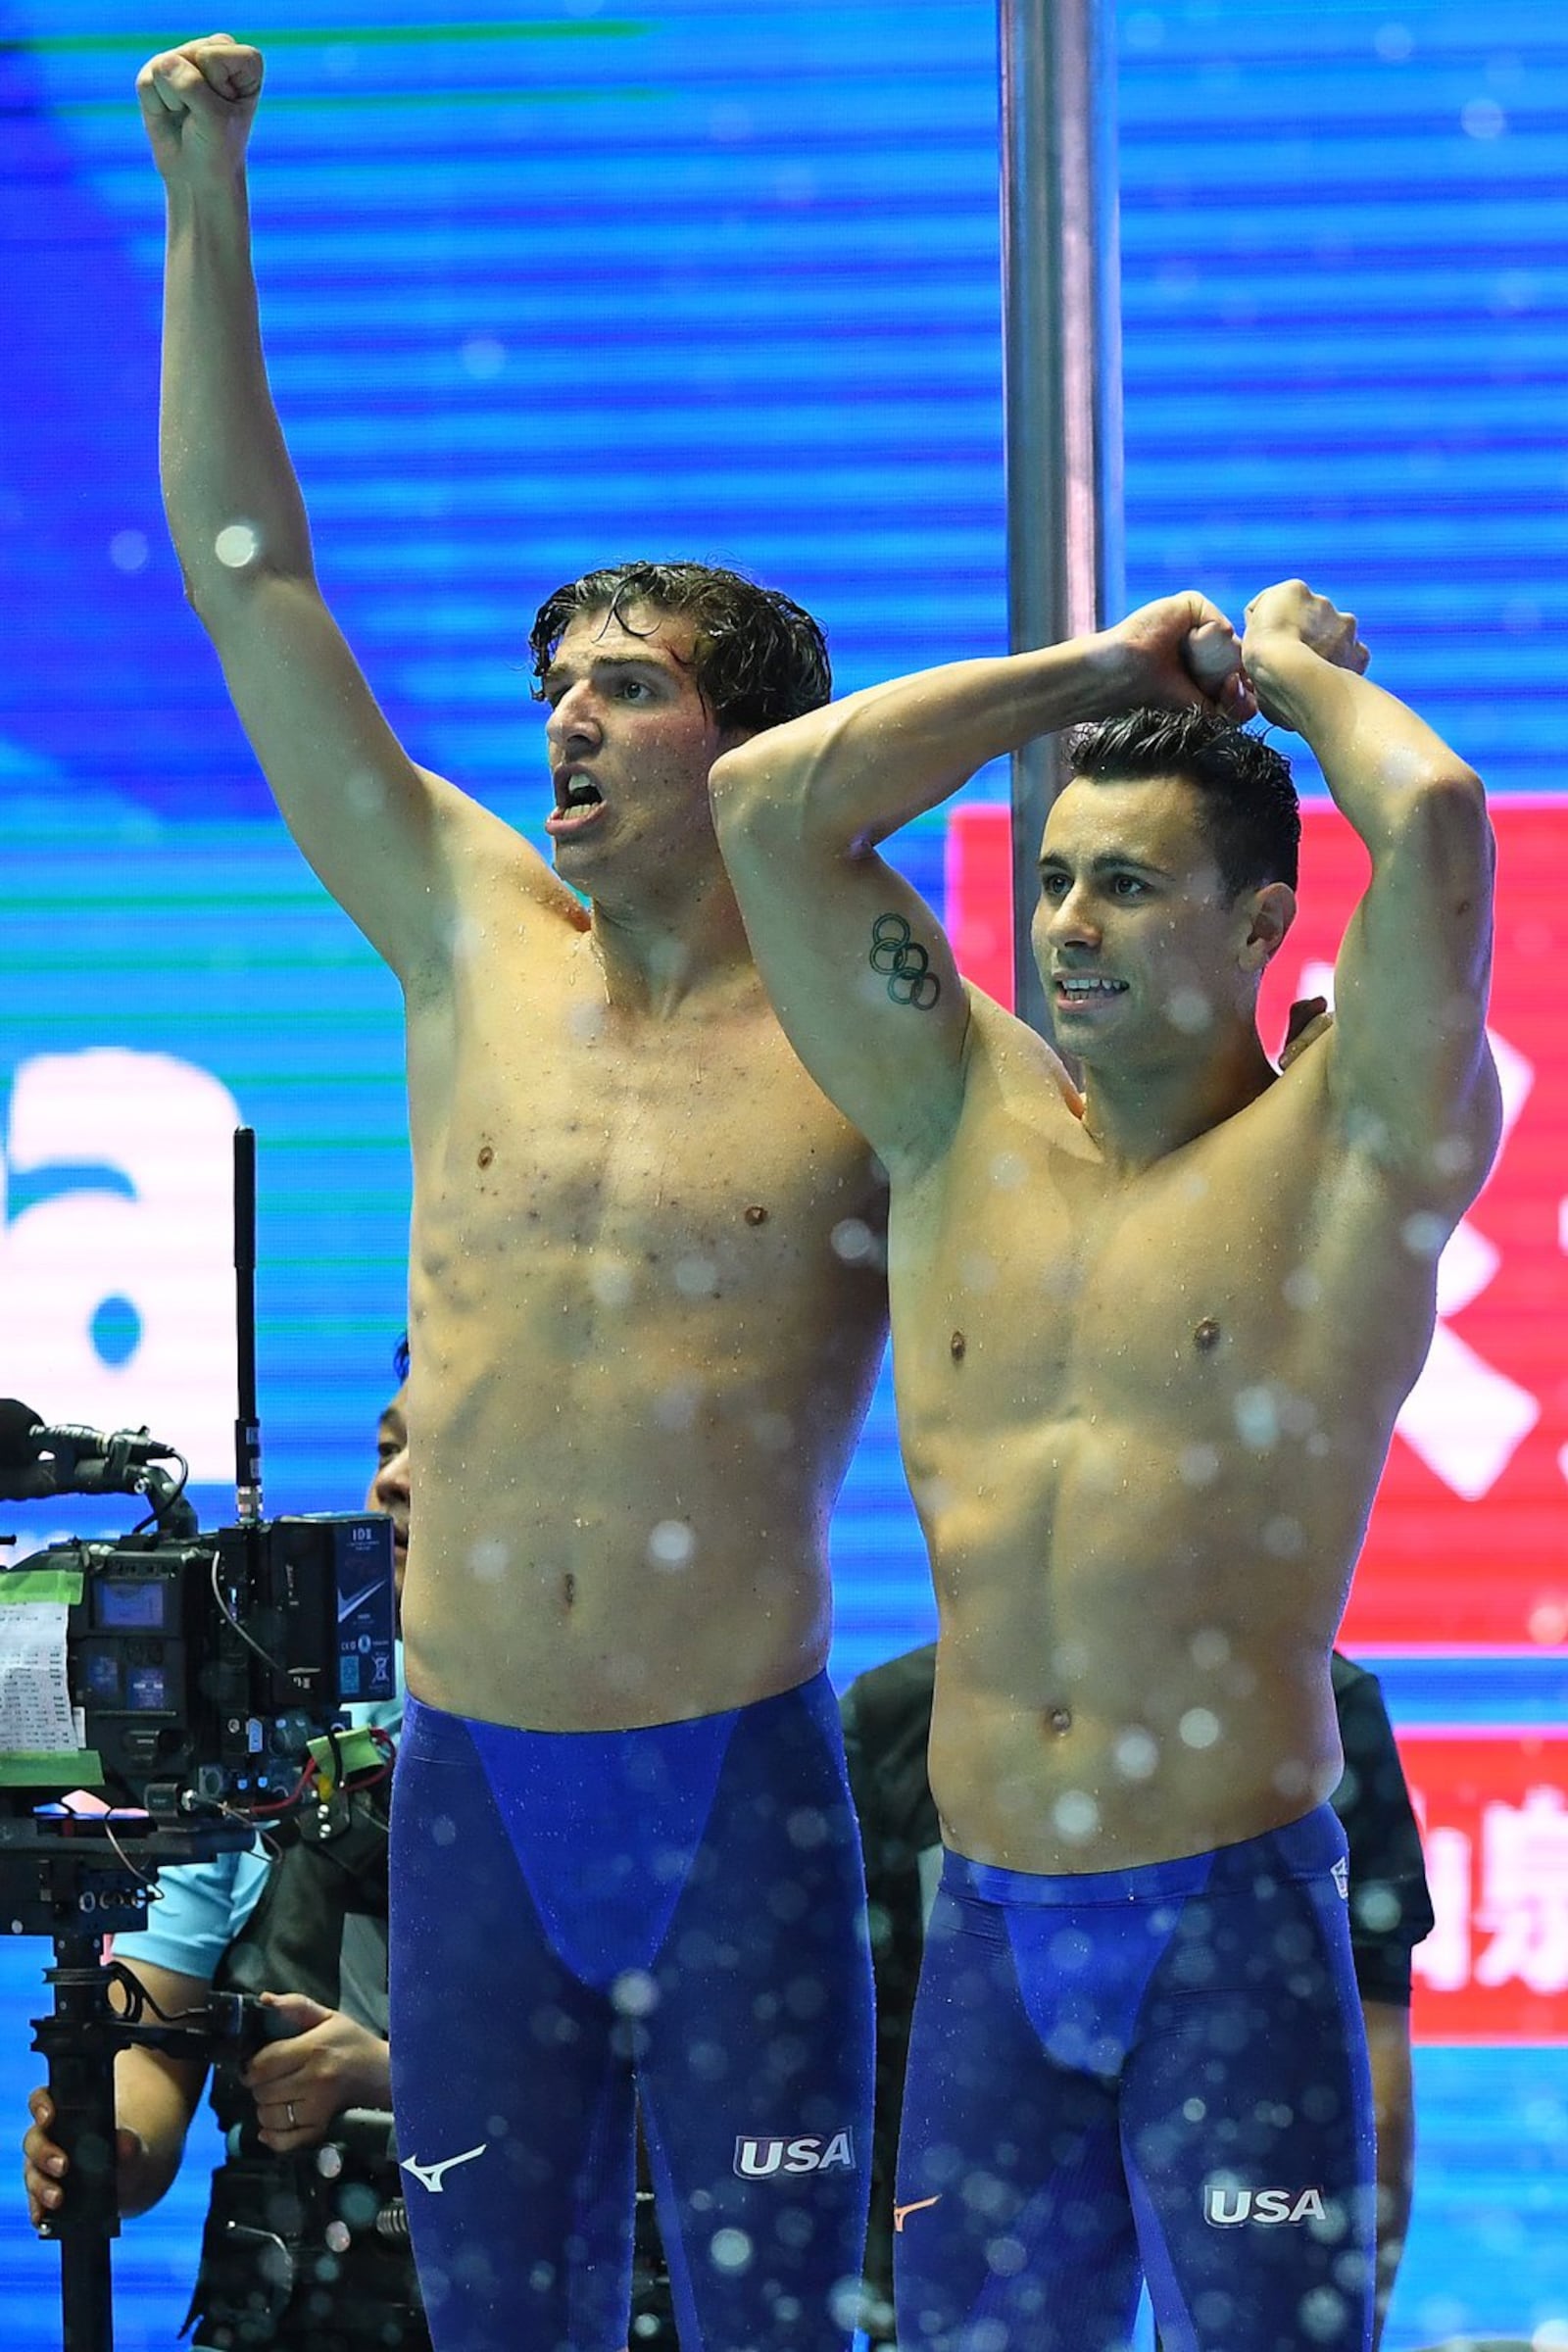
{"x": 578, "y": 803}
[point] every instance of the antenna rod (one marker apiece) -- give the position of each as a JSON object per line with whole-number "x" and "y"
{"x": 247, "y": 1427}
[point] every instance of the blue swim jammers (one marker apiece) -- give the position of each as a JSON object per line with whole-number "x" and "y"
{"x": 590, "y": 1929}
{"x": 1159, "y": 2071}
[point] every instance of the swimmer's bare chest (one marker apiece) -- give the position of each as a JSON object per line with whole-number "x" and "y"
{"x": 1144, "y": 1418}
{"x": 648, "y": 1310}
{"x": 1194, "y": 1368}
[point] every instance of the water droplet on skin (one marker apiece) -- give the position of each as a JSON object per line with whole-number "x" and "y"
{"x": 1301, "y": 1289}
{"x": 1199, "y": 1727}
{"x": 1257, "y": 1419}
{"x": 237, "y": 544}
{"x": 1136, "y": 1754}
{"x": 585, "y": 1022}
{"x": 1285, "y": 1538}
{"x": 696, "y": 1277}
{"x": 853, "y": 1241}
{"x": 1007, "y": 1170}
{"x": 1189, "y": 1011}
{"x": 489, "y": 1558}
{"x": 1423, "y": 1234}
{"x": 675, "y": 1407}
{"x": 672, "y": 1543}
{"x": 976, "y": 1271}
{"x": 610, "y": 1282}
{"x": 773, "y": 1431}
{"x": 1075, "y": 1814}
{"x": 1198, "y": 1465}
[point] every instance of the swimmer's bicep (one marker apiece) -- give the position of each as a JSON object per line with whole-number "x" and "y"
{"x": 865, "y": 984}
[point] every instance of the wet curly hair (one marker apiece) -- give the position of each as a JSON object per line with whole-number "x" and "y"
{"x": 1250, "y": 811}
{"x": 757, "y": 657}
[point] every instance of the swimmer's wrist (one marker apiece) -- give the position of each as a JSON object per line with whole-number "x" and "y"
{"x": 1113, "y": 676}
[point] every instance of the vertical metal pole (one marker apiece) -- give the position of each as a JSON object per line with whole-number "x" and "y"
{"x": 1063, "y": 373}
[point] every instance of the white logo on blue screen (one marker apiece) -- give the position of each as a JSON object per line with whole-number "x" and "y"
{"x": 117, "y": 1284}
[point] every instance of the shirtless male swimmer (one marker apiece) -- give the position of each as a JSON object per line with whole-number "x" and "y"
{"x": 1150, "y": 1344}
{"x": 645, "y": 1317}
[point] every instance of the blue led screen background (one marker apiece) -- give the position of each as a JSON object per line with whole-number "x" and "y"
{"x": 543, "y": 286}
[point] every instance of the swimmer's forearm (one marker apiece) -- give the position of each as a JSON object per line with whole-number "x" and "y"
{"x": 865, "y": 765}
{"x": 221, "y": 451}
{"x": 1377, "y": 758}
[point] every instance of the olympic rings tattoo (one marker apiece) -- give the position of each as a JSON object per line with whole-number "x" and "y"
{"x": 898, "y": 956}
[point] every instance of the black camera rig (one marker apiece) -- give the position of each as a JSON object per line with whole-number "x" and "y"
{"x": 163, "y": 1695}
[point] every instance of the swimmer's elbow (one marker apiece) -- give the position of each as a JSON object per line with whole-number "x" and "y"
{"x": 785, "y": 798}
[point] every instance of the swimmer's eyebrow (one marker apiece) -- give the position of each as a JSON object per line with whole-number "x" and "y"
{"x": 1110, "y": 861}
{"x": 560, "y": 675}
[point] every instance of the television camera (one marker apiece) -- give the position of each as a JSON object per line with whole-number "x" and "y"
{"x": 163, "y": 1695}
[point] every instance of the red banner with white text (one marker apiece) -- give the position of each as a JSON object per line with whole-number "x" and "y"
{"x": 1494, "y": 1812}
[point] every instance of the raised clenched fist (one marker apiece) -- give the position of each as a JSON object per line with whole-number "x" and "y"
{"x": 198, "y": 101}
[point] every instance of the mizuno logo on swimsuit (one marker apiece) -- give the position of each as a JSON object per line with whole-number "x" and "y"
{"x": 430, "y": 2175}
{"x": 755, "y": 2158}
{"x": 1225, "y": 2207}
{"x": 900, "y": 2213}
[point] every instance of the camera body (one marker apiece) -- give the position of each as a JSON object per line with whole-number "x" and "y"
{"x": 199, "y": 1666}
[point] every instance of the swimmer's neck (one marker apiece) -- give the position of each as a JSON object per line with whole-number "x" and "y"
{"x": 1138, "y": 1116}
{"x": 659, "y": 955}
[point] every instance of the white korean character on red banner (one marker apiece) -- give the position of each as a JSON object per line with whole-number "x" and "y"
{"x": 1524, "y": 1892}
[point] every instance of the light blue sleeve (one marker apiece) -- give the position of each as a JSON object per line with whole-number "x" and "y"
{"x": 202, "y": 1908}
{"x": 205, "y": 1905}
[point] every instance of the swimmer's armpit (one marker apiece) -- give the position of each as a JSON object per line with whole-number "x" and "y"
{"x": 903, "y": 963}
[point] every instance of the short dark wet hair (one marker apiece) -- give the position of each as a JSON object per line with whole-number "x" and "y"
{"x": 1252, "y": 814}
{"x": 759, "y": 658}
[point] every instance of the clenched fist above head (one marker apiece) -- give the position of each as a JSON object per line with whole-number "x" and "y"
{"x": 198, "y": 101}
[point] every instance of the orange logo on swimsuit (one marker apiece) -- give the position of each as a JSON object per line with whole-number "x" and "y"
{"x": 900, "y": 2212}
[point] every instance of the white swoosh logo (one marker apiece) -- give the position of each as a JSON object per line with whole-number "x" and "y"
{"x": 346, "y": 1608}
{"x": 428, "y": 2175}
